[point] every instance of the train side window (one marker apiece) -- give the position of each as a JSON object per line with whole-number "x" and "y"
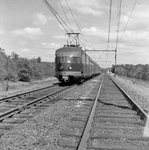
{"x": 74, "y": 60}
{"x": 78, "y": 60}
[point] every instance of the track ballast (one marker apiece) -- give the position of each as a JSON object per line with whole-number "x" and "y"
{"x": 111, "y": 121}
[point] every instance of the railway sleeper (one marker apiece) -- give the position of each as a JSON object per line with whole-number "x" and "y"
{"x": 115, "y": 147}
{"x": 121, "y": 120}
{"x": 125, "y": 136}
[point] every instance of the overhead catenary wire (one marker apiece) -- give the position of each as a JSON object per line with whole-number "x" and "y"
{"x": 60, "y": 20}
{"x": 127, "y": 21}
{"x": 118, "y": 21}
{"x": 58, "y": 17}
{"x": 109, "y": 24}
{"x": 79, "y": 27}
{"x": 109, "y": 29}
{"x": 65, "y": 15}
{"x": 77, "y": 23}
{"x": 67, "y": 27}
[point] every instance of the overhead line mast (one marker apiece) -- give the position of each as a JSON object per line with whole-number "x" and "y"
{"x": 107, "y": 50}
{"x": 118, "y": 25}
{"x": 109, "y": 24}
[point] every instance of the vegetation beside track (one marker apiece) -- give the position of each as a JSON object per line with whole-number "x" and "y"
{"x": 15, "y": 68}
{"x": 134, "y": 71}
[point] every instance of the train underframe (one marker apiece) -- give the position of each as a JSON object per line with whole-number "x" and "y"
{"x": 69, "y": 77}
{"x": 72, "y": 77}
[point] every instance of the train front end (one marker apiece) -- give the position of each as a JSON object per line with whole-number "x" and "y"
{"x": 68, "y": 64}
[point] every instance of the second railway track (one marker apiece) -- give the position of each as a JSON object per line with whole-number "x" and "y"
{"x": 111, "y": 121}
{"x": 18, "y": 108}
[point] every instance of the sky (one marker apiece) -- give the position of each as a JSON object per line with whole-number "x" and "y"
{"x": 28, "y": 28}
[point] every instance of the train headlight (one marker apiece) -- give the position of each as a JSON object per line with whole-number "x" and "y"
{"x": 69, "y": 68}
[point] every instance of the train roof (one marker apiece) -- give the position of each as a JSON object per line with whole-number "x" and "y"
{"x": 69, "y": 49}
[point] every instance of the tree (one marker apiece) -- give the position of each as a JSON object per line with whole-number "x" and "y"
{"x": 14, "y": 56}
{"x": 2, "y": 50}
{"x": 39, "y": 59}
{"x": 145, "y": 74}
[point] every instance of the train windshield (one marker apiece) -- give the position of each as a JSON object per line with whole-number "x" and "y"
{"x": 75, "y": 60}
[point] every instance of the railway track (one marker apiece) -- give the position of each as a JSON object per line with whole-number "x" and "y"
{"x": 25, "y": 94}
{"x": 18, "y": 108}
{"x": 111, "y": 121}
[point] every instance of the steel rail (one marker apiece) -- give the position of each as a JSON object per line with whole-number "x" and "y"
{"x": 27, "y": 105}
{"x": 85, "y": 135}
{"x": 21, "y": 94}
{"x": 132, "y": 102}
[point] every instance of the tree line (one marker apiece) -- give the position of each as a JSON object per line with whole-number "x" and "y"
{"x": 16, "y": 68}
{"x": 134, "y": 71}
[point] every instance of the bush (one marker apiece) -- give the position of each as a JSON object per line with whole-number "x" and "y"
{"x": 24, "y": 75}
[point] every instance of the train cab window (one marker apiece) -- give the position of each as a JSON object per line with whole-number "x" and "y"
{"x": 68, "y": 59}
{"x": 64, "y": 59}
{"x": 61, "y": 60}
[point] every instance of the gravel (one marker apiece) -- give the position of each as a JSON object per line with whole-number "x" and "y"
{"x": 83, "y": 92}
{"x": 138, "y": 91}
{"x": 42, "y": 132}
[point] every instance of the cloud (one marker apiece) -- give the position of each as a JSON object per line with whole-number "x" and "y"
{"x": 50, "y": 45}
{"x": 60, "y": 36}
{"x": 87, "y": 10}
{"x": 138, "y": 39}
{"x": 26, "y": 50}
{"x": 139, "y": 19}
{"x": 130, "y": 38}
{"x": 2, "y": 32}
{"x": 93, "y": 31}
{"x": 39, "y": 19}
{"x": 27, "y": 32}
{"x": 86, "y": 6}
